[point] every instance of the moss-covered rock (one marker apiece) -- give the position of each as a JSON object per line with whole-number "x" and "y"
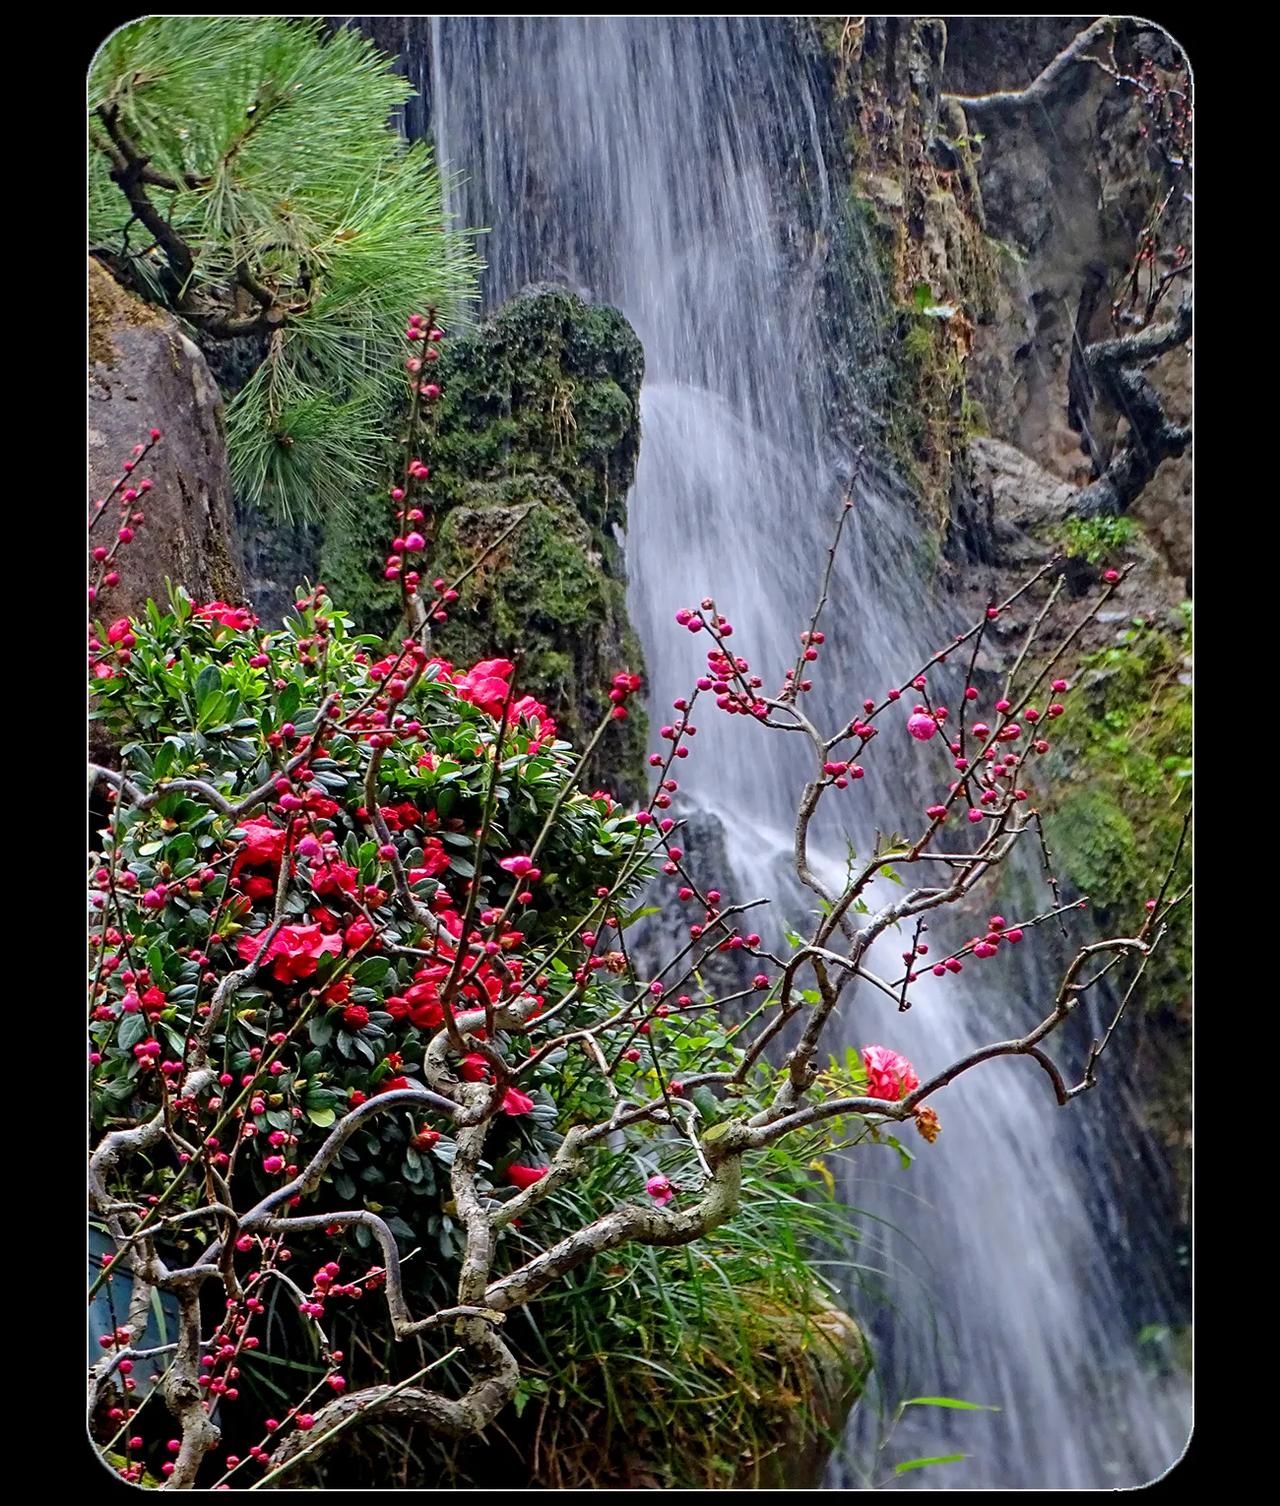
{"x": 548, "y": 384}
{"x": 544, "y": 593}
{"x": 1120, "y": 771}
{"x": 539, "y": 421}
{"x": 1120, "y": 779}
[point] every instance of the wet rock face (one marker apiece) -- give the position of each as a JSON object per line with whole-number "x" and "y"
{"x": 144, "y": 373}
{"x": 1068, "y": 183}
{"x": 656, "y": 939}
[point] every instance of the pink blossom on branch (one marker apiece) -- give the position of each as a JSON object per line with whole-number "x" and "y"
{"x": 660, "y": 1190}
{"x": 889, "y": 1075}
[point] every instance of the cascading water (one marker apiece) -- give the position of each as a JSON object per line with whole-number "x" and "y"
{"x": 677, "y": 168}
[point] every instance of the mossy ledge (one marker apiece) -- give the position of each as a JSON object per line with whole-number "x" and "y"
{"x": 539, "y": 417}
{"x": 1120, "y": 770}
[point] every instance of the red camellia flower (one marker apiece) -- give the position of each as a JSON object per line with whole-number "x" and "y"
{"x": 355, "y": 1016}
{"x": 889, "y": 1075}
{"x": 358, "y": 933}
{"x": 240, "y": 618}
{"x": 390, "y": 1084}
{"x": 294, "y": 953}
{"x": 486, "y": 685}
{"x": 434, "y": 861}
{"x": 401, "y": 817}
{"x": 525, "y": 1176}
{"x": 119, "y": 629}
{"x": 263, "y": 845}
{"x": 334, "y": 878}
{"x": 516, "y": 1102}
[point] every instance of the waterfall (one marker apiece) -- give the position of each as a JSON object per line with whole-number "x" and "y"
{"x": 678, "y": 169}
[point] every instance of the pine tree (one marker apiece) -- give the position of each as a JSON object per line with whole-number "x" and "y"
{"x": 243, "y": 172}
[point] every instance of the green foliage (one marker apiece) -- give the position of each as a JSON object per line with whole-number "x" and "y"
{"x": 1122, "y": 766}
{"x": 692, "y": 1368}
{"x": 287, "y": 178}
{"x": 189, "y": 704}
{"x": 1096, "y": 539}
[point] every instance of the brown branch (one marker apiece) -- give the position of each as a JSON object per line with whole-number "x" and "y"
{"x": 1117, "y": 369}
{"x": 1042, "y": 86}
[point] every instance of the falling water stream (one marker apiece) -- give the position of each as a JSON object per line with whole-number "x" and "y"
{"x": 678, "y": 169}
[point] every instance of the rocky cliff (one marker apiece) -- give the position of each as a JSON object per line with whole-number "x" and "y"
{"x": 1006, "y": 176}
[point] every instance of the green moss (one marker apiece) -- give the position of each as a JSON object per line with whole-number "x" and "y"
{"x": 548, "y": 384}
{"x": 1094, "y": 841}
{"x": 974, "y": 420}
{"x": 1118, "y": 777}
{"x": 544, "y": 595}
{"x": 1122, "y": 764}
{"x": 918, "y": 344}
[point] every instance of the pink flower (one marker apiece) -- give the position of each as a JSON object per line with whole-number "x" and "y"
{"x": 294, "y": 953}
{"x": 921, "y": 726}
{"x": 526, "y": 709}
{"x": 240, "y": 618}
{"x": 660, "y": 1190}
{"x": 516, "y": 1102}
{"x": 889, "y": 1075}
{"x": 486, "y": 685}
{"x": 263, "y": 845}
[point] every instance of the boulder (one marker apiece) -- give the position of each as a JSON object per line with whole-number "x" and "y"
{"x": 145, "y": 373}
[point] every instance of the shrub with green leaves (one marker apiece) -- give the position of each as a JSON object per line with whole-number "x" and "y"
{"x": 243, "y": 171}
{"x": 1096, "y": 539}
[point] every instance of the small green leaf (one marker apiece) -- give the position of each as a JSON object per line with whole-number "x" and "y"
{"x": 948, "y": 1401}
{"x": 321, "y": 1118}
{"x": 132, "y": 1028}
{"x": 208, "y": 681}
{"x": 901, "y": 1469}
{"x": 636, "y": 915}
